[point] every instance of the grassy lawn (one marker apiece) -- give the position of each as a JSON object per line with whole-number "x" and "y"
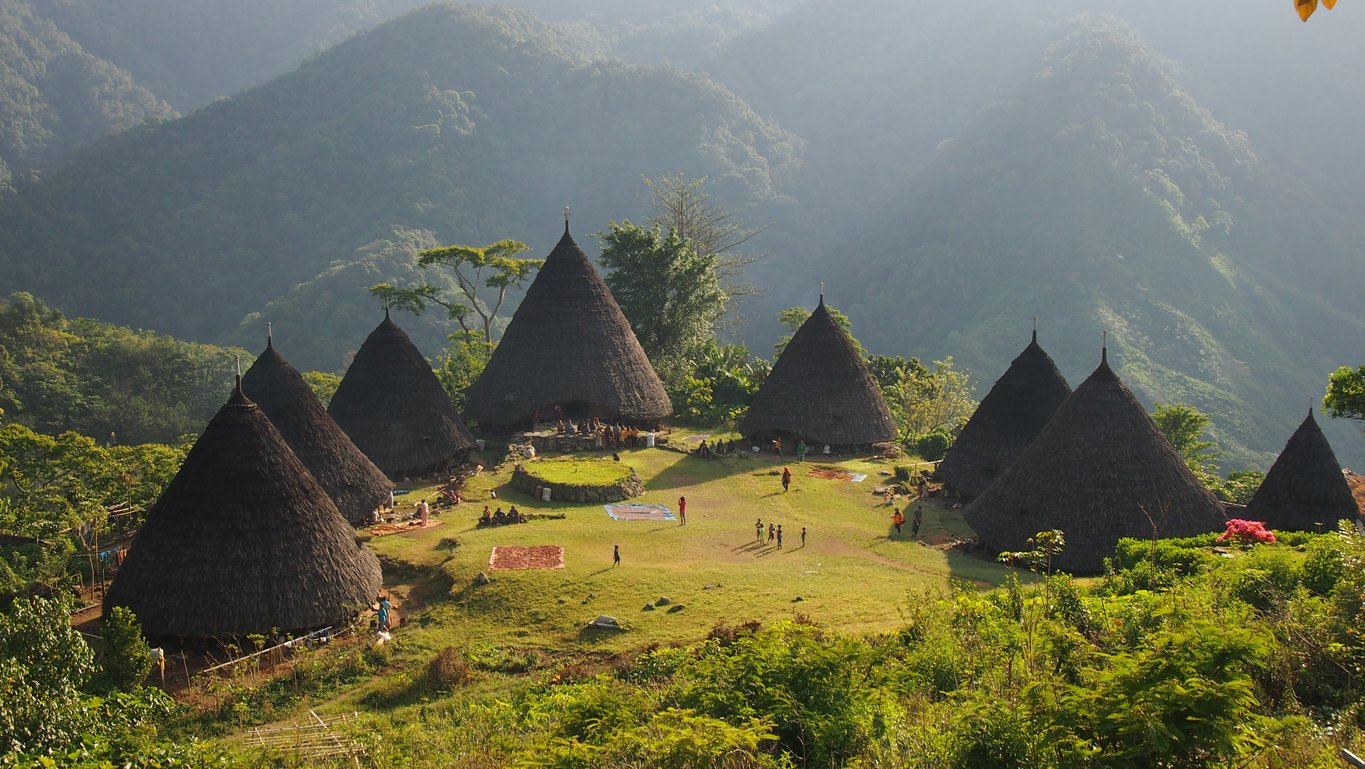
{"x": 851, "y": 574}
{"x": 577, "y": 471}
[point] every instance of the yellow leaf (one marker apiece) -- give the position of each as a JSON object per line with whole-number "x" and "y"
{"x": 1306, "y": 8}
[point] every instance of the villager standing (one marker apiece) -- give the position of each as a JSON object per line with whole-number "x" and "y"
{"x": 918, "y": 519}
{"x": 803, "y": 536}
{"x": 758, "y": 530}
{"x": 424, "y": 510}
{"x": 682, "y": 511}
{"x": 779, "y": 536}
{"x": 615, "y": 556}
{"x": 801, "y": 449}
{"x": 772, "y": 532}
{"x": 383, "y": 615}
{"x": 786, "y": 478}
{"x": 897, "y": 518}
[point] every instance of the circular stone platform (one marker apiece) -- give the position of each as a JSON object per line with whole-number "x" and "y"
{"x": 579, "y": 479}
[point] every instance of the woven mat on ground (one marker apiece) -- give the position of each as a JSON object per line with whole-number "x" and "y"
{"x": 511, "y": 557}
{"x": 385, "y": 529}
{"x": 835, "y": 474}
{"x": 636, "y": 512}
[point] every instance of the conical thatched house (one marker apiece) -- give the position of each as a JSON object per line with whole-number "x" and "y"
{"x": 353, "y": 482}
{"x": 1008, "y": 419}
{"x": 820, "y": 390}
{"x": 568, "y": 344}
{"x": 243, "y": 541}
{"x": 1099, "y": 471}
{"x": 1305, "y": 489}
{"x": 393, "y": 408}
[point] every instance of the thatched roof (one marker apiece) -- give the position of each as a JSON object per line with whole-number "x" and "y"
{"x": 1008, "y": 419}
{"x": 568, "y": 343}
{"x": 394, "y": 409}
{"x": 353, "y": 482}
{"x": 820, "y": 390}
{"x": 1099, "y": 471}
{"x": 243, "y": 541}
{"x": 1305, "y": 489}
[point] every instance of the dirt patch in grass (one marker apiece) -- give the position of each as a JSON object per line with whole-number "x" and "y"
{"x": 832, "y": 473}
{"x": 513, "y": 557}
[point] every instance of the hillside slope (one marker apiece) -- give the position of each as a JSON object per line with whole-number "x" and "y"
{"x": 54, "y": 96}
{"x": 469, "y": 124}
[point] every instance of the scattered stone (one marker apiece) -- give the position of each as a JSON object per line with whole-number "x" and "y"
{"x": 663, "y": 601}
{"x": 609, "y": 623}
{"x": 798, "y": 599}
{"x": 676, "y": 608}
{"x": 710, "y": 586}
{"x": 482, "y": 579}
{"x": 648, "y": 607}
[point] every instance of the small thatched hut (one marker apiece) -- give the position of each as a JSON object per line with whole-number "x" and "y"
{"x": 1099, "y": 471}
{"x": 353, "y": 482}
{"x": 1011, "y": 415}
{"x": 243, "y": 541}
{"x": 568, "y": 344}
{"x": 820, "y": 390}
{"x": 393, "y": 408}
{"x": 1305, "y": 489}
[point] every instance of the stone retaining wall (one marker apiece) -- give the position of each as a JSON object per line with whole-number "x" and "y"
{"x": 630, "y": 486}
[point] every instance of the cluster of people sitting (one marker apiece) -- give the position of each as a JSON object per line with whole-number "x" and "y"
{"x": 499, "y": 518}
{"x": 715, "y": 449}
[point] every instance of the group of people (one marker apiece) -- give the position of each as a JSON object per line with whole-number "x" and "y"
{"x": 774, "y": 532}
{"x": 801, "y": 448}
{"x": 613, "y": 437}
{"x": 898, "y": 520}
{"x": 499, "y": 518}
{"x": 715, "y": 449}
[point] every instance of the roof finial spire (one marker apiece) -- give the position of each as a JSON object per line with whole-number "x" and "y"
{"x": 1035, "y": 328}
{"x": 1104, "y": 347}
{"x": 269, "y": 334}
{"x": 566, "y": 220}
{"x": 822, "y": 292}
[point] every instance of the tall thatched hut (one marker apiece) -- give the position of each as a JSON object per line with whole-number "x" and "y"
{"x": 1019, "y": 405}
{"x": 243, "y": 541}
{"x": 393, "y": 408}
{"x": 1305, "y": 489}
{"x": 820, "y": 390}
{"x": 353, "y": 482}
{"x": 1099, "y": 471}
{"x": 568, "y": 344}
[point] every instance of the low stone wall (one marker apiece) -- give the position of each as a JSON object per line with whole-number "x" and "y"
{"x": 626, "y": 488}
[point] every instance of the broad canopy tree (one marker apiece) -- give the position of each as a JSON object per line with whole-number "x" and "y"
{"x": 669, "y": 291}
{"x": 494, "y": 267}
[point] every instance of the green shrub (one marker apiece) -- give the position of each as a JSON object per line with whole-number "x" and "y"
{"x": 127, "y": 659}
{"x": 1322, "y": 568}
{"x": 933, "y": 446}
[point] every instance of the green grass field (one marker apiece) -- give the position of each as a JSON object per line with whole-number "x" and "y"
{"x": 578, "y": 471}
{"x": 851, "y": 574}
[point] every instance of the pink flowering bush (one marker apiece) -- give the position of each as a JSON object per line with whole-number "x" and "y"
{"x": 1246, "y": 533}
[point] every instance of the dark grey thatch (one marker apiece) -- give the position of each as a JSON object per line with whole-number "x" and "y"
{"x": 353, "y": 482}
{"x": 243, "y": 541}
{"x": 394, "y": 409}
{"x": 1008, "y": 419}
{"x": 1305, "y": 489}
{"x": 1099, "y": 471}
{"x": 568, "y": 344}
{"x": 820, "y": 390}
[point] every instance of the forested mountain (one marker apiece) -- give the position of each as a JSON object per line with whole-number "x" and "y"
{"x": 1098, "y": 194}
{"x": 948, "y": 175}
{"x": 190, "y": 52}
{"x": 55, "y": 96}
{"x": 110, "y": 383}
{"x": 471, "y": 124}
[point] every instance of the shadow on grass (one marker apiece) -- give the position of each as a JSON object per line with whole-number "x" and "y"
{"x": 690, "y": 470}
